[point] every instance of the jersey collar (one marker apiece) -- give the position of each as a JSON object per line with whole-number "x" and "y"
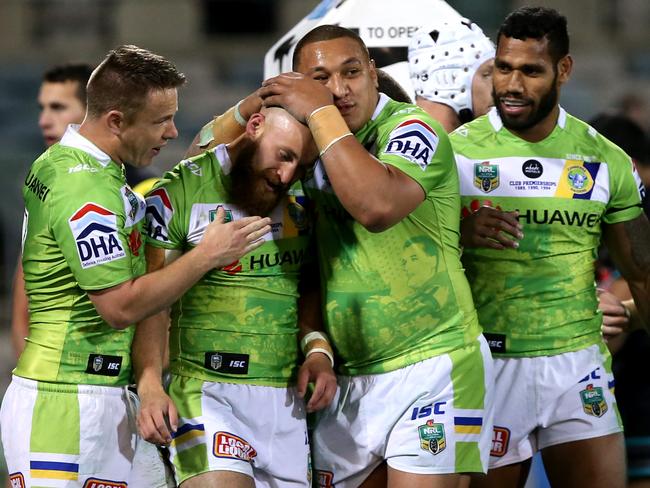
{"x": 497, "y": 124}
{"x": 73, "y": 139}
{"x": 383, "y": 100}
{"x": 221, "y": 152}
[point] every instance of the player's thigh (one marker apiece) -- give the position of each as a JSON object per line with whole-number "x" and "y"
{"x": 510, "y": 476}
{"x": 378, "y": 478}
{"x": 598, "y": 462}
{"x": 219, "y": 479}
{"x": 402, "y": 479}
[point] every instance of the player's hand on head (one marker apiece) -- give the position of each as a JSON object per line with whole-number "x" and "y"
{"x": 296, "y": 93}
{"x": 250, "y": 105}
{"x": 224, "y": 243}
{"x": 491, "y": 228}
{"x": 158, "y": 417}
{"x": 317, "y": 369}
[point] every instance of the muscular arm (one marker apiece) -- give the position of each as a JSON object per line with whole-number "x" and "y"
{"x": 629, "y": 245}
{"x": 225, "y": 128}
{"x": 132, "y": 301}
{"x": 317, "y": 368}
{"x": 19, "y": 311}
{"x": 377, "y": 195}
{"x": 157, "y": 413}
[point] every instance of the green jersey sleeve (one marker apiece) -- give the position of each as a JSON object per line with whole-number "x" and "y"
{"x": 625, "y": 189}
{"x": 165, "y": 213}
{"x": 418, "y": 146}
{"x": 95, "y": 229}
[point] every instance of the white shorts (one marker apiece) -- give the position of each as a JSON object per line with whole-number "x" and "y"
{"x": 549, "y": 400}
{"x": 258, "y": 431}
{"x": 432, "y": 417}
{"x": 57, "y": 435}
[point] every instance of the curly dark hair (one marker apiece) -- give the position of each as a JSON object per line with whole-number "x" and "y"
{"x": 538, "y": 23}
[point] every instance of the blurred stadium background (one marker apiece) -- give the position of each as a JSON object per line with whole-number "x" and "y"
{"x": 220, "y": 46}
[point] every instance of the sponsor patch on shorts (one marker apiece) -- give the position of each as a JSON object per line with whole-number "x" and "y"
{"x": 97, "y": 483}
{"x": 413, "y": 140}
{"x": 500, "y": 440}
{"x": 96, "y": 235}
{"x": 226, "y": 362}
{"x": 227, "y": 445}
{"x": 17, "y": 480}
{"x": 432, "y": 437}
{"x": 104, "y": 365}
{"x": 324, "y": 479}
{"x": 593, "y": 401}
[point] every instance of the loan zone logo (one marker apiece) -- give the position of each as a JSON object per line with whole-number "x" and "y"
{"x": 159, "y": 214}
{"x": 95, "y": 232}
{"x": 324, "y": 479}
{"x": 17, "y": 480}
{"x": 97, "y": 483}
{"x": 230, "y": 446}
{"x": 413, "y": 140}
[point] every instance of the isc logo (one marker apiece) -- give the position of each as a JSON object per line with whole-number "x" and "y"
{"x": 427, "y": 410}
{"x": 237, "y": 364}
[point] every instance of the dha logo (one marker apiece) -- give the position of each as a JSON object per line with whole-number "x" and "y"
{"x": 415, "y": 141}
{"x": 159, "y": 214}
{"x": 95, "y": 231}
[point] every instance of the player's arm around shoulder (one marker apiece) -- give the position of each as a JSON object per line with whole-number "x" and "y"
{"x": 377, "y": 195}
{"x": 412, "y": 157}
{"x": 138, "y": 298}
{"x": 226, "y": 127}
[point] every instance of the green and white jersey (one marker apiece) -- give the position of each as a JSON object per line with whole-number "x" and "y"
{"x": 237, "y": 324}
{"x": 81, "y": 233}
{"x": 400, "y": 296}
{"x": 540, "y": 299}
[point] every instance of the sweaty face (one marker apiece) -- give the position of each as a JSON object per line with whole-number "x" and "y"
{"x": 526, "y": 83}
{"x": 142, "y": 138}
{"x": 343, "y": 66}
{"x": 59, "y": 107}
{"x": 482, "y": 88}
{"x": 268, "y": 165}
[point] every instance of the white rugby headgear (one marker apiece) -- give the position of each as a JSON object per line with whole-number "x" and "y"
{"x": 443, "y": 59}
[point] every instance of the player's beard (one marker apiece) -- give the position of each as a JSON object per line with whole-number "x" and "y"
{"x": 248, "y": 188}
{"x": 546, "y": 104}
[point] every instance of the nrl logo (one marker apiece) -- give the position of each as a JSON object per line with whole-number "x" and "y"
{"x": 215, "y": 361}
{"x": 486, "y": 176}
{"x": 227, "y": 218}
{"x": 432, "y": 437}
{"x": 97, "y": 363}
{"x": 593, "y": 401}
